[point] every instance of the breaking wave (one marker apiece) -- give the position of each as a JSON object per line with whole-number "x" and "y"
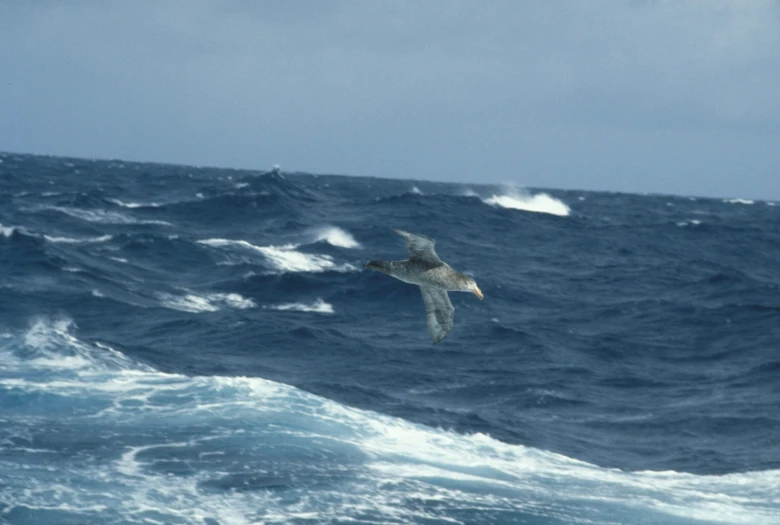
{"x": 336, "y": 237}
{"x": 539, "y": 203}
{"x": 319, "y": 306}
{"x": 210, "y": 449}
{"x": 133, "y": 205}
{"x": 104, "y": 216}
{"x": 286, "y": 258}
{"x": 72, "y": 240}
{"x": 212, "y": 302}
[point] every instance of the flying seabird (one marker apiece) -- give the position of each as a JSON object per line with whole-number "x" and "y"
{"x": 434, "y": 277}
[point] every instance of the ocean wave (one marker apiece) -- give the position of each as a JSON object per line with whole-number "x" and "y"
{"x": 286, "y": 258}
{"x": 134, "y": 205}
{"x": 8, "y": 231}
{"x": 198, "y": 449}
{"x": 739, "y": 201}
{"x": 539, "y": 203}
{"x": 692, "y": 222}
{"x": 319, "y": 306}
{"x": 336, "y": 237}
{"x": 211, "y": 302}
{"x": 103, "y": 216}
{"x": 73, "y": 240}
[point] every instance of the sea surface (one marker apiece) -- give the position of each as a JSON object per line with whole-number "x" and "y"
{"x": 186, "y": 345}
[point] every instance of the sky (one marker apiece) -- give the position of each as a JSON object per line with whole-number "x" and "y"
{"x": 679, "y": 97}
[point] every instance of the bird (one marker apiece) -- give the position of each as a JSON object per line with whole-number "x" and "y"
{"x": 434, "y": 277}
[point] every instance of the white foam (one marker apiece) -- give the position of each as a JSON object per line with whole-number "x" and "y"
{"x": 319, "y": 306}
{"x": 468, "y": 192}
{"x": 738, "y": 201}
{"x": 53, "y": 347}
{"x": 770, "y": 203}
{"x": 286, "y": 258}
{"x": 337, "y": 237}
{"x": 7, "y": 231}
{"x": 136, "y": 204}
{"x": 212, "y": 302}
{"x": 415, "y": 190}
{"x": 539, "y": 203}
{"x": 72, "y": 240}
{"x": 98, "y": 293}
{"x": 692, "y": 222}
{"x": 379, "y": 463}
{"x": 104, "y": 216}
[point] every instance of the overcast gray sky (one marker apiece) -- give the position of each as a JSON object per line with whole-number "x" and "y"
{"x": 640, "y": 96}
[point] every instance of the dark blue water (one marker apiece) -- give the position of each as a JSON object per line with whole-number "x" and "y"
{"x": 195, "y": 345}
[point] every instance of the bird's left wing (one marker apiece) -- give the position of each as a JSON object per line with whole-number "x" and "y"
{"x": 440, "y": 313}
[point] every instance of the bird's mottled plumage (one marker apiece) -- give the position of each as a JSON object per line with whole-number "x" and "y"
{"x": 434, "y": 277}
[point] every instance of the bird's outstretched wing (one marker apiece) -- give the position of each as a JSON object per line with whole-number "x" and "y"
{"x": 440, "y": 313}
{"x": 419, "y": 246}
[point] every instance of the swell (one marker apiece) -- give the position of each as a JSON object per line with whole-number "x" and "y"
{"x": 240, "y": 448}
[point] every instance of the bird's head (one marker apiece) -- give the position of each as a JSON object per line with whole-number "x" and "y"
{"x": 467, "y": 284}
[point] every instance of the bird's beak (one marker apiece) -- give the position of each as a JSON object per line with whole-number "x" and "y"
{"x": 477, "y": 292}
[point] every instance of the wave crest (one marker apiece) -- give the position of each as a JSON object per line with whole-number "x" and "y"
{"x": 212, "y": 302}
{"x": 319, "y": 306}
{"x": 339, "y": 462}
{"x": 286, "y": 258}
{"x": 337, "y": 237}
{"x": 539, "y": 203}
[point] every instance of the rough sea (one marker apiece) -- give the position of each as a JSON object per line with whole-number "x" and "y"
{"x": 185, "y": 345}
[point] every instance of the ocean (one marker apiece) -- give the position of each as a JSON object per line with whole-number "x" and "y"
{"x": 189, "y": 345}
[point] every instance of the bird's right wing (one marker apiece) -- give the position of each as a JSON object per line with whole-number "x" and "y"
{"x": 440, "y": 313}
{"x": 419, "y": 246}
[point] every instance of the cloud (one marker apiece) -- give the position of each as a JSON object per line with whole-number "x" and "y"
{"x": 569, "y": 94}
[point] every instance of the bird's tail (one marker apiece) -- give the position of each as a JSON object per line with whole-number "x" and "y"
{"x": 380, "y": 266}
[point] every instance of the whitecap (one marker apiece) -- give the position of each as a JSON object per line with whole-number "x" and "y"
{"x": 72, "y": 240}
{"x": 286, "y": 258}
{"x": 319, "y": 306}
{"x": 539, "y": 203}
{"x": 415, "y": 191}
{"x": 7, "y": 231}
{"x": 104, "y": 216}
{"x": 212, "y": 302}
{"x": 692, "y": 222}
{"x": 135, "y": 204}
{"x": 336, "y": 237}
{"x": 264, "y": 427}
{"x": 738, "y": 201}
